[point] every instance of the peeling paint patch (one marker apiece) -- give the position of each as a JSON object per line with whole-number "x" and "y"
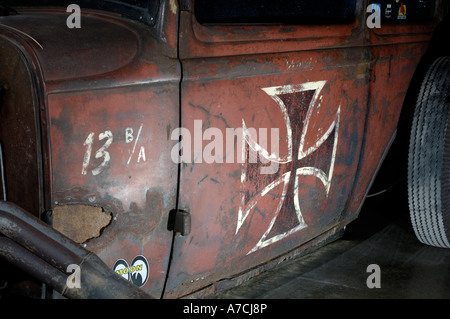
{"x": 80, "y": 222}
{"x": 173, "y": 6}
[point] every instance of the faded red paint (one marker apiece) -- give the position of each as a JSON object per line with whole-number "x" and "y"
{"x": 110, "y": 76}
{"x": 223, "y": 85}
{"x": 110, "y": 98}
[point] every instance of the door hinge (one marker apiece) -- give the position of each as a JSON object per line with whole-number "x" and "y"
{"x": 179, "y": 222}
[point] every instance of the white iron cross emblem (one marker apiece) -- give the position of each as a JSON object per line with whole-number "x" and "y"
{"x": 298, "y": 103}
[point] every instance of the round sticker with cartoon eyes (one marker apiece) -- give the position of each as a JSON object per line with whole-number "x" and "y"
{"x": 137, "y": 272}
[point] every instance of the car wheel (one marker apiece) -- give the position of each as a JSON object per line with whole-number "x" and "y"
{"x": 429, "y": 158}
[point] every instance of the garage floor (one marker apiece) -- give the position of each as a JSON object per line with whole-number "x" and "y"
{"x": 382, "y": 235}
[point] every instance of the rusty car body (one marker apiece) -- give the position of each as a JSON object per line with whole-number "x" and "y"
{"x": 91, "y": 118}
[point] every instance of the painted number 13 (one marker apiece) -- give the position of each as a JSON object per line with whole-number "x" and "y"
{"x": 101, "y": 153}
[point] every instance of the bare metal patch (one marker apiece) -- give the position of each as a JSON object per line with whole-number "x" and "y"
{"x": 80, "y": 222}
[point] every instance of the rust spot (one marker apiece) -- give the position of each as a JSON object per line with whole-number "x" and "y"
{"x": 80, "y": 222}
{"x": 143, "y": 220}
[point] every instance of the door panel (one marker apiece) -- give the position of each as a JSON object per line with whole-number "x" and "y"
{"x": 287, "y": 175}
{"x": 104, "y": 156}
{"x": 109, "y": 137}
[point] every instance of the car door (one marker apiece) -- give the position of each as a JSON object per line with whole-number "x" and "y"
{"x": 272, "y": 123}
{"x": 112, "y": 143}
{"x": 109, "y": 97}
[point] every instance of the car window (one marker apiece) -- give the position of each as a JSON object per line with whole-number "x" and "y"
{"x": 142, "y": 10}
{"x": 297, "y": 12}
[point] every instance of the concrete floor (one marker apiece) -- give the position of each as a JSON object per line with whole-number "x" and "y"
{"x": 381, "y": 235}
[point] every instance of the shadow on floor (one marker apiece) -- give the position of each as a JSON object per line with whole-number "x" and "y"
{"x": 383, "y": 236}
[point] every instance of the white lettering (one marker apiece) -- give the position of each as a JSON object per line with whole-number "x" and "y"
{"x": 200, "y": 309}
{"x": 73, "y": 280}
{"x": 129, "y": 135}
{"x": 213, "y": 152}
{"x": 181, "y": 152}
{"x": 74, "y": 20}
{"x": 235, "y": 138}
{"x": 102, "y": 153}
{"x": 374, "y": 20}
{"x": 141, "y": 154}
{"x": 87, "y": 155}
{"x": 374, "y": 280}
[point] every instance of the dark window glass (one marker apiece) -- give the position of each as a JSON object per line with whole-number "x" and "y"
{"x": 406, "y": 10}
{"x": 141, "y": 10}
{"x": 298, "y": 12}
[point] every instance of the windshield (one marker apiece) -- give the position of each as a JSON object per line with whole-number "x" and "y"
{"x": 140, "y": 10}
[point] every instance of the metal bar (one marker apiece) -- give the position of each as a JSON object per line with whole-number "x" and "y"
{"x": 45, "y": 253}
{"x": 39, "y": 238}
{"x": 30, "y": 263}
